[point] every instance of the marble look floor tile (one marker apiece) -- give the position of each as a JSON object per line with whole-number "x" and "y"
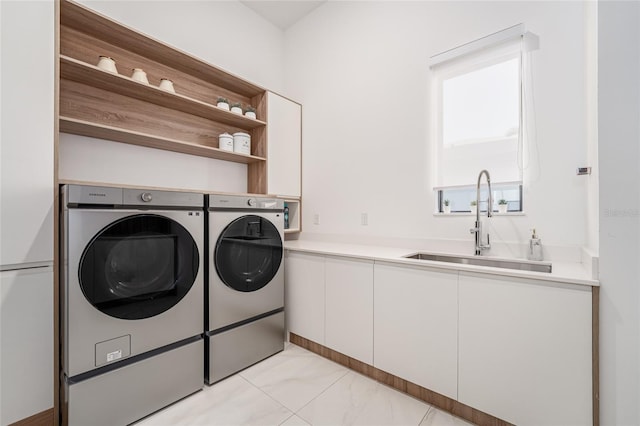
{"x": 437, "y": 417}
{"x": 358, "y": 400}
{"x": 294, "y": 421}
{"x": 294, "y": 377}
{"x": 233, "y": 401}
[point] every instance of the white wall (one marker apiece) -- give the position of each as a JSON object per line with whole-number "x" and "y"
{"x": 619, "y": 155}
{"x": 96, "y": 160}
{"x": 361, "y": 71}
{"x": 224, "y": 33}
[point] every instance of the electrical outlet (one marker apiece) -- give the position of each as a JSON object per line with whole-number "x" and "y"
{"x": 364, "y": 219}
{"x": 316, "y": 219}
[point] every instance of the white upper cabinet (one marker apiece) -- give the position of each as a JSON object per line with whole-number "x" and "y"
{"x": 284, "y": 138}
{"x": 27, "y": 129}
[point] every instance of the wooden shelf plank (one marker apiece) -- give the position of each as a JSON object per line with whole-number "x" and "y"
{"x": 72, "y": 69}
{"x": 81, "y": 18}
{"x": 86, "y": 128}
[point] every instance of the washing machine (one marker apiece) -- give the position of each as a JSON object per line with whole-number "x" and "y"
{"x": 245, "y": 295}
{"x": 132, "y": 302}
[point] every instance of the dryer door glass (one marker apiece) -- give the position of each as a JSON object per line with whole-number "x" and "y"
{"x": 248, "y": 253}
{"x": 139, "y": 266}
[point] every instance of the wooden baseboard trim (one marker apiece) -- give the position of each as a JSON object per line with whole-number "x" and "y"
{"x": 430, "y": 397}
{"x": 44, "y": 418}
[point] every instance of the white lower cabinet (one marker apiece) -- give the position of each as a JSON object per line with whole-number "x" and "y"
{"x": 349, "y": 307}
{"x": 415, "y": 325}
{"x": 304, "y": 295}
{"x": 26, "y": 360}
{"x": 514, "y": 348}
{"x": 525, "y": 350}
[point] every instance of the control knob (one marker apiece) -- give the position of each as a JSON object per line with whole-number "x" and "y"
{"x": 146, "y": 197}
{"x": 251, "y": 202}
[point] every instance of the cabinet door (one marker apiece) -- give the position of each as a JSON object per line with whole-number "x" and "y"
{"x": 283, "y": 146}
{"x": 525, "y": 350}
{"x": 26, "y": 158}
{"x": 26, "y": 363}
{"x": 304, "y": 295}
{"x": 415, "y": 325}
{"x": 349, "y": 307}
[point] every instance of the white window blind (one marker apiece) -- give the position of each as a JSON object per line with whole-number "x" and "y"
{"x": 478, "y": 109}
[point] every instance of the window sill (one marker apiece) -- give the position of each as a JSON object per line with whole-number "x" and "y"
{"x": 483, "y": 214}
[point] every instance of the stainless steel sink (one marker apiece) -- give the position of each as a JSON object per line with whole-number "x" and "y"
{"x": 484, "y": 261}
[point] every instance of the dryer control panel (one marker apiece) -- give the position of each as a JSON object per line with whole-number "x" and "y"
{"x": 240, "y": 202}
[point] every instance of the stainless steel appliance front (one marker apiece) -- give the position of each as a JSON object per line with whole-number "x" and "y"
{"x": 132, "y": 289}
{"x": 245, "y": 302}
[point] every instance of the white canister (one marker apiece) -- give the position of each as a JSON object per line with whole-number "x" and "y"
{"x": 106, "y": 63}
{"x": 225, "y": 142}
{"x": 167, "y": 85}
{"x": 242, "y": 143}
{"x": 140, "y": 75}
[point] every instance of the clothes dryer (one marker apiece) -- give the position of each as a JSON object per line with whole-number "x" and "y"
{"x": 132, "y": 301}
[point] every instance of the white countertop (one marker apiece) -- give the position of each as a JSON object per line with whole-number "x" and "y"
{"x": 563, "y": 272}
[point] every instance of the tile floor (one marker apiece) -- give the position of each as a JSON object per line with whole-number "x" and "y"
{"x": 298, "y": 387}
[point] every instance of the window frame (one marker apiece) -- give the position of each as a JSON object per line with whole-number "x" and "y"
{"x": 470, "y": 62}
{"x": 440, "y": 196}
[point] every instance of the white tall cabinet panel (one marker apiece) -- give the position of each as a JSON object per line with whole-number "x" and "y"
{"x": 26, "y": 132}
{"x": 415, "y": 325}
{"x": 26, "y": 339}
{"x": 525, "y": 350}
{"x": 284, "y": 137}
{"x": 304, "y": 295}
{"x": 349, "y": 307}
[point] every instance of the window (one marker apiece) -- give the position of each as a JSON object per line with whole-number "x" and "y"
{"x": 460, "y": 198}
{"x": 478, "y": 94}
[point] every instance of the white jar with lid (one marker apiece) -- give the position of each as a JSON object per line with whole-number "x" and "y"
{"x": 242, "y": 143}
{"x": 225, "y": 142}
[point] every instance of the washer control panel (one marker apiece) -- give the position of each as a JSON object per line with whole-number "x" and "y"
{"x": 74, "y": 195}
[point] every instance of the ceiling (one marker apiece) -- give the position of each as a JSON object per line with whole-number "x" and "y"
{"x": 283, "y": 14}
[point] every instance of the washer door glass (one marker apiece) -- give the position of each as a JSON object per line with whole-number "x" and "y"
{"x": 139, "y": 266}
{"x": 248, "y": 253}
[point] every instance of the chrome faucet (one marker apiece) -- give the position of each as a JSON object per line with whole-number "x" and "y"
{"x": 480, "y": 244}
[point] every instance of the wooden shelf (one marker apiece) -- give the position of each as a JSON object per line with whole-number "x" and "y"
{"x": 95, "y": 130}
{"x": 72, "y": 69}
{"x": 80, "y": 18}
{"x": 115, "y": 107}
